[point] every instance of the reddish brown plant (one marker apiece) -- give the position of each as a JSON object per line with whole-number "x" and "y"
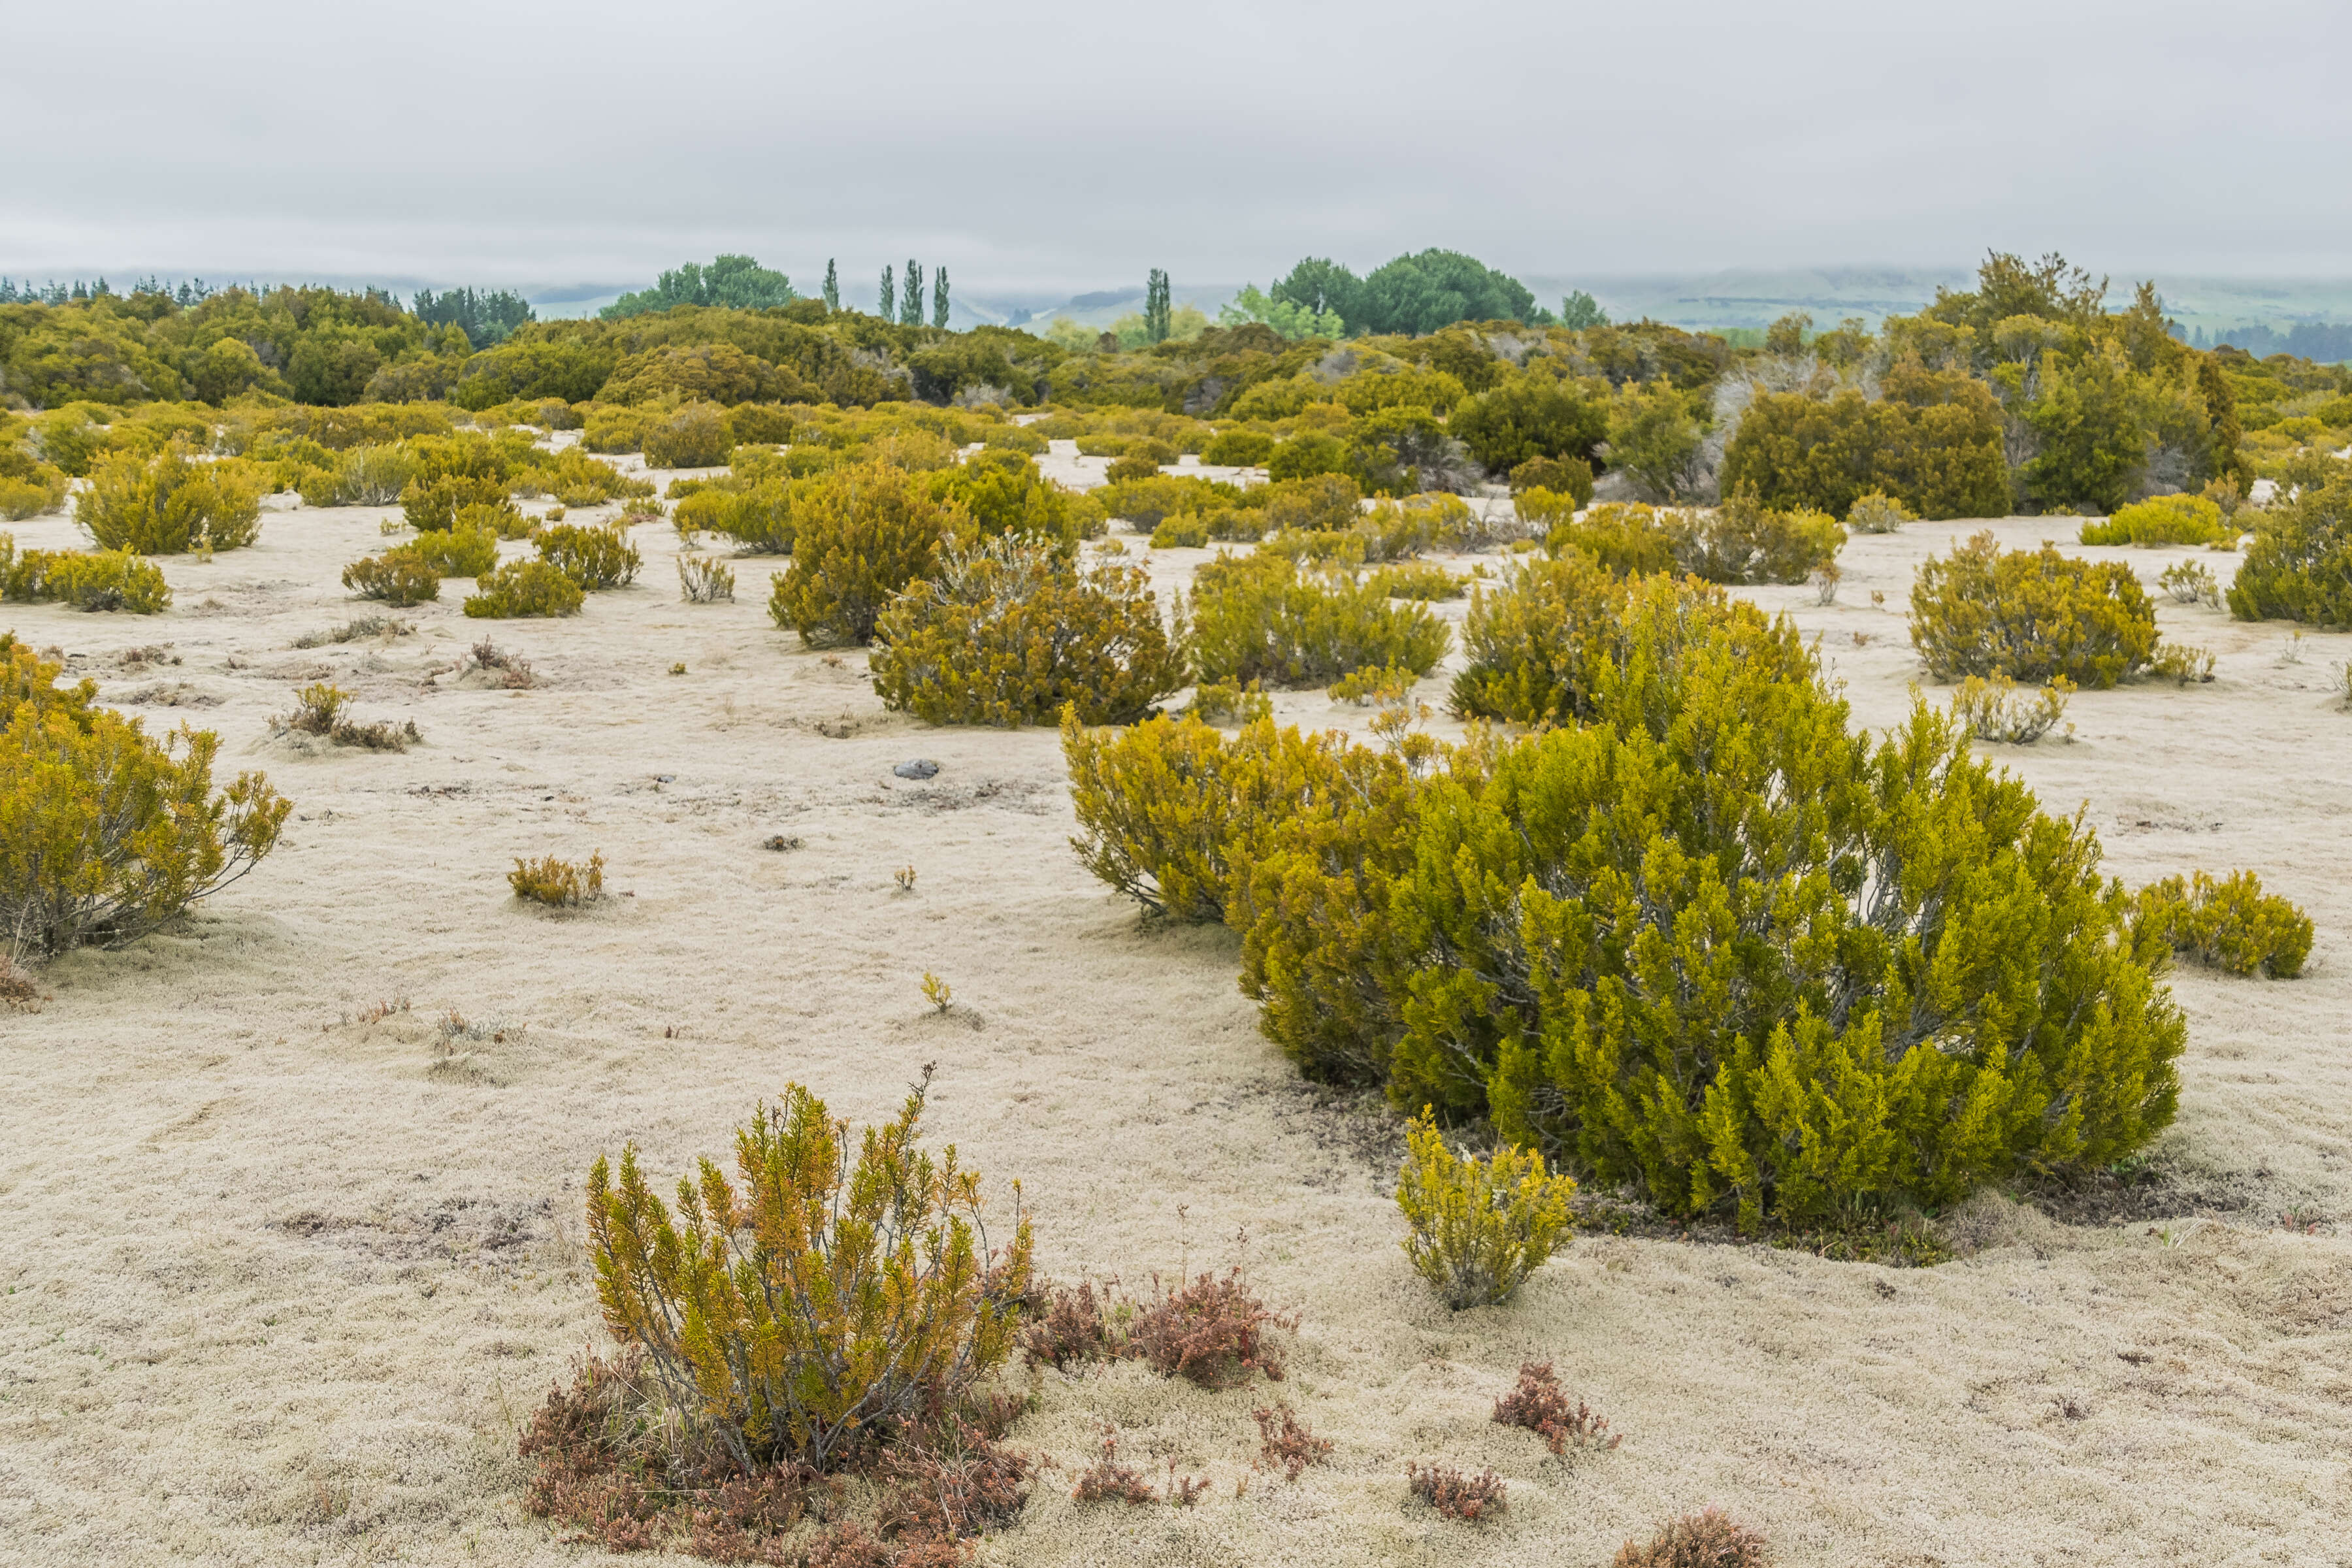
{"x": 1283, "y": 1441}
{"x": 1455, "y": 1495}
{"x": 1707, "y": 1539}
{"x": 1541, "y": 1404}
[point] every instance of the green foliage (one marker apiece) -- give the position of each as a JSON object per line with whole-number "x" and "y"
{"x": 2191, "y": 583}
{"x": 1124, "y": 470}
{"x": 2299, "y": 566}
{"x": 1286, "y": 318}
{"x": 1008, "y": 632}
{"x": 434, "y": 504}
{"x": 1741, "y": 541}
{"x": 2232, "y": 924}
{"x": 1259, "y": 617}
{"x": 1934, "y": 443}
{"x": 705, "y": 581}
{"x": 614, "y": 429}
{"x": 1993, "y": 708}
{"x": 816, "y": 1307}
{"x": 399, "y": 577}
{"x": 862, "y": 532}
{"x": 1145, "y": 502}
{"x": 2091, "y": 430}
{"x": 1568, "y": 477}
{"x": 2160, "y": 520}
{"x": 737, "y": 281}
{"x": 362, "y": 475}
{"x": 28, "y": 487}
{"x": 558, "y": 884}
{"x": 86, "y": 579}
{"x": 1479, "y": 1226}
{"x": 758, "y": 517}
{"x": 1237, "y": 449}
{"x": 107, "y": 833}
{"x": 593, "y": 557}
{"x": 1416, "y": 580}
{"x": 1655, "y": 437}
{"x": 524, "y": 588}
{"x": 1308, "y": 454}
{"x": 2032, "y": 616}
{"x": 1528, "y": 416}
{"x": 694, "y": 437}
{"x": 1412, "y": 294}
{"x": 166, "y": 505}
{"x": 1875, "y": 511}
{"x": 708, "y": 373}
{"x": 468, "y": 550}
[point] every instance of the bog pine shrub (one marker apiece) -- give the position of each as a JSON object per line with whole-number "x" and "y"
{"x": 1260, "y": 617}
{"x": 861, "y": 533}
{"x": 1712, "y": 942}
{"x": 2299, "y": 566}
{"x": 28, "y": 487}
{"x": 2160, "y": 519}
{"x": 430, "y": 504}
{"x": 524, "y": 588}
{"x": 168, "y": 504}
{"x": 2230, "y": 924}
{"x": 559, "y": 884}
{"x": 593, "y": 557}
{"x": 1875, "y": 511}
{"x": 816, "y": 1306}
{"x": 1740, "y": 542}
{"x": 695, "y": 436}
{"x": 106, "y": 832}
{"x": 399, "y": 577}
{"x": 758, "y": 516}
{"x": 2030, "y": 615}
{"x": 468, "y": 550}
{"x": 1479, "y": 1227}
{"x": 1007, "y": 631}
{"x": 86, "y": 579}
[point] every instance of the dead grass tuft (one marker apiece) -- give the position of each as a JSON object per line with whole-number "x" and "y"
{"x": 1209, "y": 1331}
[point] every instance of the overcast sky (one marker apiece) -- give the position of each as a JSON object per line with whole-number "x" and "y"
{"x": 1067, "y": 145}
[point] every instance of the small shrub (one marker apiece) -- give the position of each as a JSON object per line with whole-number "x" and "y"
{"x": 432, "y": 504}
{"x": 593, "y": 557}
{"x": 863, "y": 532}
{"x": 2032, "y": 616}
{"x": 1479, "y": 1226}
{"x": 167, "y": 505}
{"x": 1108, "y": 1480}
{"x": 1259, "y": 617}
{"x": 1009, "y": 632}
{"x": 1123, "y": 471}
{"x": 2230, "y": 924}
{"x": 1455, "y": 1495}
{"x": 1237, "y": 449}
{"x": 1208, "y": 1332}
{"x": 1223, "y": 703}
{"x": 1417, "y": 580}
{"x": 1741, "y": 541}
{"x": 318, "y": 707}
{"x": 1370, "y": 688}
{"x": 1993, "y": 709}
{"x": 86, "y": 579}
{"x": 1321, "y": 502}
{"x": 1705, "y": 1540}
{"x": 1629, "y": 538}
{"x": 525, "y": 588}
{"x": 757, "y": 517}
{"x": 109, "y": 832}
{"x": 506, "y": 521}
{"x": 2181, "y": 665}
{"x": 462, "y": 552}
{"x": 705, "y": 579}
{"x": 2160, "y": 520}
{"x": 399, "y": 577}
{"x": 319, "y": 710}
{"x": 938, "y": 991}
{"x": 2191, "y": 583}
{"x": 559, "y": 884}
{"x": 29, "y": 487}
{"x": 1571, "y": 477}
{"x": 610, "y": 429}
{"x": 1283, "y": 1441}
{"x": 511, "y": 672}
{"x": 1183, "y": 530}
{"x": 1539, "y": 1403}
{"x": 1875, "y": 511}
{"x": 372, "y": 475}
{"x": 353, "y": 631}
{"x": 869, "y": 1294}
{"x": 695, "y": 436}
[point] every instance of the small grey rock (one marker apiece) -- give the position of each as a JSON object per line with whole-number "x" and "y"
{"x": 917, "y": 768}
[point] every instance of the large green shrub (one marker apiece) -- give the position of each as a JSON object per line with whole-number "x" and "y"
{"x": 1008, "y": 631}
{"x": 2160, "y": 519}
{"x": 694, "y": 437}
{"x": 106, "y": 832}
{"x": 1260, "y": 617}
{"x": 524, "y": 588}
{"x": 85, "y": 579}
{"x": 1003, "y": 492}
{"x": 400, "y": 577}
{"x": 1237, "y": 449}
{"x": 2030, "y": 615}
{"x": 1933, "y": 443}
{"x": 2299, "y": 566}
{"x": 861, "y": 533}
{"x": 432, "y": 504}
{"x": 167, "y": 504}
{"x": 468, "y": 550}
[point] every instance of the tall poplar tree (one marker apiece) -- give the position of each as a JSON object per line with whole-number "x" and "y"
{"x": 939, "y": 298}
{"x": 890, "y": 311}
{"x": 1156, "y": 311}
{"x": 832, "y": 286}
{"x": 910, "y": 308}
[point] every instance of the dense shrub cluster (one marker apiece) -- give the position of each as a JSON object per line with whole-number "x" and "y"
{"x": 2032, "y": 616}
{"x": 399, "y": 577}
{"x": 524, "y": 588}
{"x": 1007, "y": 631}
{"x": 695, "y": 436}
{"x": 1260, "y": 617}
{"x": 468, "y": 550}
{"x": 593, "y": 557}
{"x": 28, "y": 487}
{"x": 2230, "y": 924}
{"x": 2299, "y": 566}
{"x": 86, "y": 579}
{"x": 167, "y": 504}
{"x": 1933, "y": 444}
{"x": 1738, "y": 541}
{"x": 861, "y": 533}
{"x": 105, "y": 832}
{"x": 2160, "y": 519}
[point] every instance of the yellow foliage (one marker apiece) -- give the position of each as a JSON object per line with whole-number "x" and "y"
{"x": 1479, "y": 1226}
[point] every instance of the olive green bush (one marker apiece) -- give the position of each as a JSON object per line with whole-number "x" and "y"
{"x": 1567, "y": 477}
{"x": 1007, "y": 631}
{"x": 1478, "y": 1228}
{"x": 607, "y": 428}
{"x": 431, "y": 504}
{"x": 106, "y": 832}
{"x": 168, "y": 504}
{"x": 2032, "y": 616}
{"x": 1127, "y": 469}
{"x": 2299, "y": 566}
{"x": 758, "y": 517}
{"x": 2192, "y": 582}
{"x": 704, "y": 581}
{"x": 2160, "y": 519}
{"x": 2230, "y": 924}
{"x": 1875, "y": 511}
{"x": 1004, "y": 493}
{"x": 1417, "y": 580}
{"x": 694, "y": 437}
{"x": 1742, "y": 542}
{"x": 399, "y": 577}
{"x": 466, "y": 551}
{"x": 1323, "y": 502}
{"x": 862, "y": 532}
{"x": 593, "y": 557}
{"x": 1145, "y": 502}
{"x": 28, "y": 487}
{"x": 1237, "y": 449}
{"x": 85, "y": 579}
{"x": 524, "y": 588}
{"x": 1631, "y": 538}
{"x": 362, "y": 476}
{"x": 1260, "y": 617}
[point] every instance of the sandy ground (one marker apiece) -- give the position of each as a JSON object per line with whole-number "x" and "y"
{"x": 277, "y": 1283}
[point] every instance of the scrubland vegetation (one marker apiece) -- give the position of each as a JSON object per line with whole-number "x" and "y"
{"x": 1652, "y": 932}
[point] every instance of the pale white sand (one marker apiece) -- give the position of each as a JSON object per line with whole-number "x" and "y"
{"x": 276, "y": 1286}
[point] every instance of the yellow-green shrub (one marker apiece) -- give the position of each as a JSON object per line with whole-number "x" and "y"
{"x": 434, "y": 503}
{"x": 1417, "y": 580}
{"x": 758, "y": 517}
{"x": 524, "y": 588}
{"x": 1741, "y": 541}
{"x": 401, "y": 576}
{"x": 466, "y": 551}
{"x": 1568, "y": 479}
{"x": 167, "y": 504}
{"x": 2299, "y": 567}
{"x": 1003, "y": 492}
{"x": 1630, "y": 538}
{"x": 862, "y": 532}
{"x": 593, "y": 557}
{"x": 1259, "y": 617}
{"x": 1128, "y": 470}
{"x": 2160, "y": 520}
{"x": 1875, "y": 511}
{"x": 2230, "y": 924}
{"x": 1145, "y": 502}
{"x": 559, "y": 884}
{"x": 1324, "y": 501}
{"x": 2030, "y": 615}
{"x": 85, "y": 579}
{"x": 28, "y": 487}
{"x": 1993, "y": 707}
{"x": 362, "y": 475}
{"x": 1009, "y": 632}
{"x": 614, "y": 429}
{"x": 820, "y": 1305}
{"x": 1238, "y": 449}
{"x": 694, "y": 437}
{"x": 1479, "y": 1227}
{"x": 106, "y": 832}
{"x": 702, "y": 580}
